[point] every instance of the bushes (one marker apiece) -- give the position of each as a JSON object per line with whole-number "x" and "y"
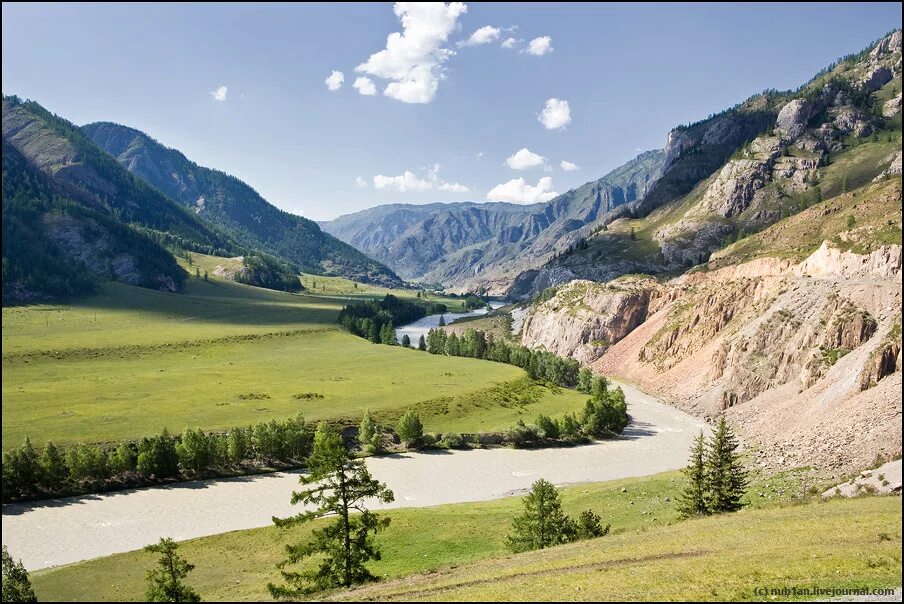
{"x": 605, "y": 414}
{"x": 84, "y": 469}
{"x": 410, "y": 428}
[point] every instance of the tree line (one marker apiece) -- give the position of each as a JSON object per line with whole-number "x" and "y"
{"x": 338, "y": 485}
{"x": 539, "y": 364}
{"x": 53, "y": 471}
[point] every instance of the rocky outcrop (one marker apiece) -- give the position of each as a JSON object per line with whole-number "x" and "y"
{"x": 584, "y": 318}
{"x": 892, "y": 107}
{"x": 893, "y": 169}
{"x": 793, "y": 118}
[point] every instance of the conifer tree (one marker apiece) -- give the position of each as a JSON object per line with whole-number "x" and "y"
{"x": 165, "y": 582}
{"x": 693, "y": 500}
{"x": 543, "y": 523}
{"x": 16, "y": 584}
{"x": 336, "y": 487}
{"x": 725, "y": 475}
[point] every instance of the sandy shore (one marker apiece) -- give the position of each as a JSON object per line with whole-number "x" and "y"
{"x": 62, "y": 531}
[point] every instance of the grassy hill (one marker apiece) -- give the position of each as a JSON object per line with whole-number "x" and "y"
{"x": 457, "y": 551}
{"x": 129, "y": 361}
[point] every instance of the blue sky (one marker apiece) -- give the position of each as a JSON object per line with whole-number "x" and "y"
{"x": 628, "y": 73}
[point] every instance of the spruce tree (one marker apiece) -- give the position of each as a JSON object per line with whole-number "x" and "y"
{"x": 336, "y": 487}
{"x": 693, "y": 500}
{"x": 53, "y": 467}
{"x": 165, "y": 582}
{"x": 442, "y": 321}
{"x": 725, "y": 475}
{"x": 406, "y": 341}
{"x": 543, "y": 523}
{"x": 422, "y": 343}
{"x": 16, "y": 584}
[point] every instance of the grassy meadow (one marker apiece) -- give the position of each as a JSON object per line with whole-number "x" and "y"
{"x": 129, "y": 361}
{"x": 459, "y": 551}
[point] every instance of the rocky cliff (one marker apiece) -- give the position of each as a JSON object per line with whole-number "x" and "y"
{"x": 794, "y": 333}
{"x": 747, "y": 168}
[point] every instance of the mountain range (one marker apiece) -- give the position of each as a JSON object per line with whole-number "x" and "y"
{"x": 84, "y": 205}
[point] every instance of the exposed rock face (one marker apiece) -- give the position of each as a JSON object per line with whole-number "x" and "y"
{"x": 892, "y": 106}
{"x": 793, "y": 117}
{"x": 754, "y": 340}
{"x": 894, "y": 167}
{"x": 584, "y": 318}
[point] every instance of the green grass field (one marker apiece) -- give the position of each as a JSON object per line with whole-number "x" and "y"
{"x": 130, "y": 361}
{"x": 771, "y": 541}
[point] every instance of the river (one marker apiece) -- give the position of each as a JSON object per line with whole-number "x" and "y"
{"x": 420, "y": 327}
{"x": 62, "y": 531}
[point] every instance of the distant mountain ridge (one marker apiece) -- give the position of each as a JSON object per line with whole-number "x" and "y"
{"x": 235, "y": 207}
{"x": 461, "y": 245}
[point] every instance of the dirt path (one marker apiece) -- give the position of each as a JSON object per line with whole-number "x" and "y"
{"x": 79, "y": 528}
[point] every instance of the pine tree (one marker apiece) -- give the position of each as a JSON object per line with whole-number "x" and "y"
{"x": 337, "y": 485}
{"x": 422, "y": 343}
{"x": 543, "y": 523}
{"x": 442, "y": 321}
{"x": 693, "y": 500}
{"x": 16, "y": 584}
{"x": 165, "y": 582}
{"x": 590, "y": 525}
{"x": 725, "y": 475}
{"x": 406, "y": 341}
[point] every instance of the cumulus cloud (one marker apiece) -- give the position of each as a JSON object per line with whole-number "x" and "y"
{"x": 219, "y": 94}
{"x": 509, "y": 43}
{"x": 556, "y": 114}
{"x": 453, "y": 187}
{"x": 365, "y": 86}
{"x": 518, "y": 191}
{"x": 539, "y": 46}
{"x": 408, "y": 181}
{"x": 335, "y": 80}
{"x": 413, "y": 58}
{"x": 360, "y": 182}
{"x": 568, "y": 166}
{"x": 484, "y": 35}
{"x": 524, "y": 159}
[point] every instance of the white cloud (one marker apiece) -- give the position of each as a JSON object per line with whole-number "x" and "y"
{"x": 219, "y": 94}
{"x": 568, "y": 166}
{"x": 408, "y": 181}
{"x": 524, "y": 159}
{"x": 518, "y": 191}
{"x": 413, "y": 58}
{"x": 556, "y": 114}
{"x": 539, "y": 46}
{"x": 360, "y": 182}
{"x": 335, "y": 81}
{"x": 365, "y": 86}
{"x": 453, "y": 187}
{"x": 509, "y": 43}
{"x": 484, "y": 35}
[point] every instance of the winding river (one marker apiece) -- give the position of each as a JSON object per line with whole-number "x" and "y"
{"x": 51, "y": 533}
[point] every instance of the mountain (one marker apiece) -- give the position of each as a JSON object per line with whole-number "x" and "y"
{"x": 484, "y": 245}
{"x": 235, "y": 208}
{"x": 772, "y": 292}
{"x": 72, "y": 216}
{"x": 740, "y": 171}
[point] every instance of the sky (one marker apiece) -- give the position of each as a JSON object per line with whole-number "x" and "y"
{"x": 327, "y": 109}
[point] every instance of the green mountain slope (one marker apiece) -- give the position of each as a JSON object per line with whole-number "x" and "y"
{"x": 235, "y": 207}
